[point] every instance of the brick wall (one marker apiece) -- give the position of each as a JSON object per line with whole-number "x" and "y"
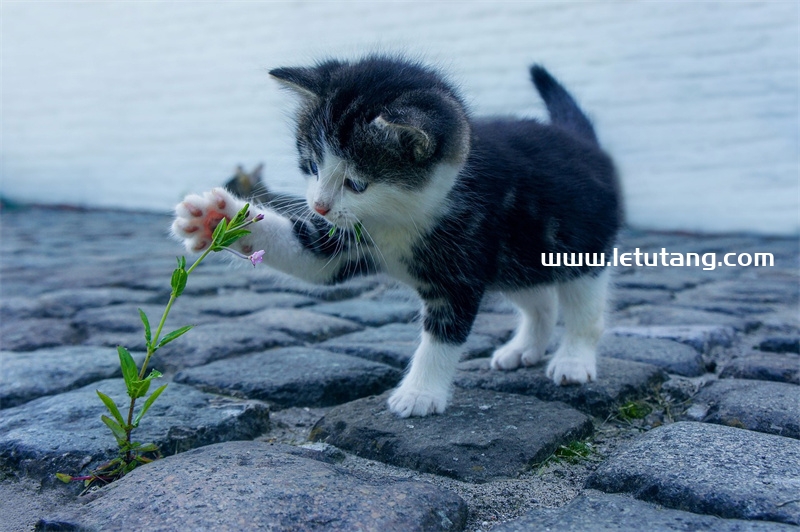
{"x": 134, "y": 104}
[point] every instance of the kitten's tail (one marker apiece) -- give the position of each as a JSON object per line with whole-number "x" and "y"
{"x": 564, "y": 111}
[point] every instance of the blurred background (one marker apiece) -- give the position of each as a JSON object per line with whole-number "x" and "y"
{"x": 135, "y": 104}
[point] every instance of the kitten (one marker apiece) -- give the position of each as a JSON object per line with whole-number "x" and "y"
{"x": 451, "y": 205}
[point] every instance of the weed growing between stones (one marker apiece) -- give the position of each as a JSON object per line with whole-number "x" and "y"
{"x": 131, "y": 453}
{"x": 634, "y": 410}
{"x": 573, "y": 453}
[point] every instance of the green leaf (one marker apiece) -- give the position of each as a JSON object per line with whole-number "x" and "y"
{"x": 140, "y": 388}
{"x": 222, "y": 226}
{"x": 129, "y": 371}
{"x": 146, "y": 323}
{"x": 111, "y": 407}
{"x": 331, "y": 231}
{"x": 239, "y": 219}
{"x": 119, "y": 432}
{"x": 147, "y": 404}
{"x": 234, "y": 236}
{"x": 64, "y": 478}
{"x": 173, "y": 335}
{"x": 148, "y": 447}
{"x": 357, "y": 229}
{"x": 178, "y": 281}
{"x": 181, "y": 263}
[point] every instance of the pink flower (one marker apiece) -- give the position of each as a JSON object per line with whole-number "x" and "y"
{"x": 257, "y": 257}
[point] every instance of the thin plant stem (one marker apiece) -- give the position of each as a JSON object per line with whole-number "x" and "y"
{"x": 163, "y": 321}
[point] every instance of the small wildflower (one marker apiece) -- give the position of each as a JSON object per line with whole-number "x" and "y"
{"x": 259, "y": 217}
{"x": 257, "y": 257}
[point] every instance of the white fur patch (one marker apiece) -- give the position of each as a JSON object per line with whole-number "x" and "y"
{"x": 583, "y": 307}
{"x": 426, "y": 387}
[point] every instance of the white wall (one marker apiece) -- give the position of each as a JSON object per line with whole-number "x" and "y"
{"x": 134, "y": 104}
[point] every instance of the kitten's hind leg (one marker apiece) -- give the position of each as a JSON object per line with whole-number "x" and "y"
{"x": 538, "y": 312}
{"x": 583, "y": 307}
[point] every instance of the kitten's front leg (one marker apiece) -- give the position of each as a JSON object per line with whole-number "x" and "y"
{"x": 287, "y": 245}
{"x": 427, "y": 386}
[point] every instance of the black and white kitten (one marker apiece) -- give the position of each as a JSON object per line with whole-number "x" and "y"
{"x": 451, "y": 205}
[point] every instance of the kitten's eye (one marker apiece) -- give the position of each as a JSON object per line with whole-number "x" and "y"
{"x": 356, "y": 187}
{"x": 313, "y": 168}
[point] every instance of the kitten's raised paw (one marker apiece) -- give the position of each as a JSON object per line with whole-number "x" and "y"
{"x": 407, "y": 402}
{"x": 197, "y": 216}
{"x": 566, "y": 369}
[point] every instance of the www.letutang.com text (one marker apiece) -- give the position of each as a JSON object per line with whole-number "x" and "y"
{"x": 663, "y": 258}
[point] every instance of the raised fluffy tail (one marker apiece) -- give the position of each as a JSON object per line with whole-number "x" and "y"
{"x": 564, "y": 111}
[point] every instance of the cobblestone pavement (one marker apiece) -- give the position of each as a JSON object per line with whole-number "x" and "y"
{"x": 275, "y": 418}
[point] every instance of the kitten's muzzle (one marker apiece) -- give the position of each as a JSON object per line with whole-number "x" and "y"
{"x": 322, "y": 208}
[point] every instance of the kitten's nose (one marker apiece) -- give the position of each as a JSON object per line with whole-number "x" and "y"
{"x": 321, "y": 208}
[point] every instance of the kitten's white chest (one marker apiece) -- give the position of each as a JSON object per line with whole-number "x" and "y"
{"x": 392, "y": 249}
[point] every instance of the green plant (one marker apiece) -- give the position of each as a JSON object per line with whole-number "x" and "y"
{"x": 634, "y": 410}
{"x": 574, "y": 452}
{"x": 357, "y": 231}
{"x": 132, "y": 453}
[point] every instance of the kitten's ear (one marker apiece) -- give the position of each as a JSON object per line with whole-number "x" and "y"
{"x": 304, "y": 81}
{"x": 256, "y": 173}
{"x": 308, "y": 82}
{"x": 405, "y": 132}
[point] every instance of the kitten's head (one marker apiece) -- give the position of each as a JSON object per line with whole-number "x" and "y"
{"x": 380, "y": 140}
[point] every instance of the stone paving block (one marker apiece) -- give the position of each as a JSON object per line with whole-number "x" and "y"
{"x": 618, "y": 381}
{"x": 663, "y": 315}
{"x": 261, "y": 486}
{"x": 31, "y": 374}
{"x": 622, "y": 298}
{"x": 125, "y": 318}
{"x": 63, "y": 433}
{"x": 294, "y": 376}
{"x": 272, "y": 281}
{"x": 392, "y": 344}
{"x": 673, "y": 356}
{"x": 65, "y": 303}
{"x": 781, "y": 344}
{"x": 302, "y": 324}
{"x": 708, "y": 469}
{"x": 771, "y": 407}
{"x": 37, "y": 333}
{"x": 765, "y": 366}
{"x": 739, "y": 298}
{"x": 604, "y": 512}
{"x": 18, "y": 307}
{"x": 701, "y": 337}
{"x": 496, "y": 326}
{"x": 214, "y": 341}
{"x": 481, "y": 436}
{"x": 395, "y": 343}
{"x": 372, "y": 313}
{"x": 230, "y": 304}
{"x": 655, "y": 279}
{"x": 133, "y": 341}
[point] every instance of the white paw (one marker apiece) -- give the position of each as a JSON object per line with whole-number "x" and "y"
{"x": 197, "y": 216}
{"x": 510, "y": 357}
{"x": 407, "y": 401}
{"x": 572, "y": 369}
